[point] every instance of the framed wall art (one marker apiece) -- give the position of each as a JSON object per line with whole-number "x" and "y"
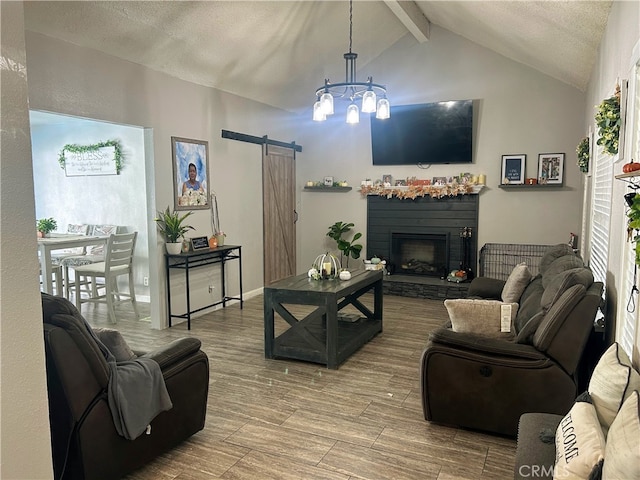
{"x": 550, "y": 168}
{"x": 513, "y": 169}
{"x": 190, "y": 173}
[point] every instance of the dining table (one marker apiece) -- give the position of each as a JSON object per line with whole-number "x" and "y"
{"x": 62, "y": 241}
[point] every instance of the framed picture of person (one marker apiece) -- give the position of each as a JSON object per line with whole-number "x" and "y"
{"x": 190, "y": 173}
{"x": 550, "y": 168}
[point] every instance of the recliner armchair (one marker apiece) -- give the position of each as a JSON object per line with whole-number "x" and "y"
{"x": 487, "y": 383}
{"x": 85, "y": 443}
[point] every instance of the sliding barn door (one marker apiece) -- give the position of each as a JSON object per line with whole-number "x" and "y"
{"x": 279, "y": 215}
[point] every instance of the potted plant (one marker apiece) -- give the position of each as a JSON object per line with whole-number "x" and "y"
{"x": 347, "y": 248}
{"x": 46, "y": 226}
{"x": 170, "y": 224}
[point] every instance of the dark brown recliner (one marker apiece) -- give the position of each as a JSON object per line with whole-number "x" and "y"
{"x": 486, "y": 383}
{"x": 85, "y": 443}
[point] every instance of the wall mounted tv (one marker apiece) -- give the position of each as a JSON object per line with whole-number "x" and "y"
{"x": 424, "y": 134}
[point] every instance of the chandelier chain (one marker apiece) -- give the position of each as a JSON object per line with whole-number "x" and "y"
{"x": 350, "y": 24}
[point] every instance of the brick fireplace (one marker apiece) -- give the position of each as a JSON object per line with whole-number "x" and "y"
{"x": 422, "y": 241}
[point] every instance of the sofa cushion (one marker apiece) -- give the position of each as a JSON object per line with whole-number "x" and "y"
{"x": 526, "y": 333}
{"x": 562, "y": 281}
{"x": 481, "y": 317}
{"x": 553, "y": 253}
{"x": 113, "y": 340}
{"x": 580, "y": 443}
{"x": 529, "y": 303}
{"x": 515, "y": 285}
{"x": 560, "y": 265}
{"x": 555, "y": 317}
{"x": 612, "y": 382}
{"x": 622, "y": 451}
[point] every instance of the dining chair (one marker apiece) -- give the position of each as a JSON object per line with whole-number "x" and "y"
{"x": 118, "y": 261}
{"x": 92, "y": 254}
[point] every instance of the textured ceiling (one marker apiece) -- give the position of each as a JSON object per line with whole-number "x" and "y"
{"x": 278, "y": 52}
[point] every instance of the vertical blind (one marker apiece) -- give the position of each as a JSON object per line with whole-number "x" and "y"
{"x": 601, "y": 214}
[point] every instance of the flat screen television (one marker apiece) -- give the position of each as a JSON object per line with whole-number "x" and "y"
{"x": 425, "y": 134}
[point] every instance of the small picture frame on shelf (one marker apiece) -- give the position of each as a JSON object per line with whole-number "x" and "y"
{"x": 387, "y": 180}
{"x": 513, "y": 169}
{"x": 199, "y": 243}
{"x": 401, "y": 183}
{"x": 550, "y": 168}
{"x": 328, "y": 181}
{"x": 439, "y": 181}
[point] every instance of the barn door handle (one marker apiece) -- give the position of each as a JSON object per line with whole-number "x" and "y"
{"x": 295, "y": 216}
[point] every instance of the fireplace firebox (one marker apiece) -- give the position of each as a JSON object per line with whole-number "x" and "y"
{"x": 420, "y": 254}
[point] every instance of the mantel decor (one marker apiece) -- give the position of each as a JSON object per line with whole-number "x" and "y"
{"x": 414, "y": 191}
{"x": 103, "y": 158}
{"x": 608, "y": 122}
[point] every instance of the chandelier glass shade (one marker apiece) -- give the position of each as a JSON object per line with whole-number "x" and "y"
{"x": 371, "y": 96}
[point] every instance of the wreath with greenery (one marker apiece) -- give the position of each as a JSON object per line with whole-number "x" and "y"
{"x": 92, "y": 148}
{"x": 583, "y": 155}
{"x": 608, "y": 122}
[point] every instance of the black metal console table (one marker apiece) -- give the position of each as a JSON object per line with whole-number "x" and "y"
{"x": 201, "y": 258}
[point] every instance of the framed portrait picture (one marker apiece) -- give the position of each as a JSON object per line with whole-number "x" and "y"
{"x": 513, "y": 169}
{"x": 190, "y": 173}
{"x": 387, "y": 180}
{"x": 550, "y": 168}
{"x": 328, "y": 181}
{"x": 439, "y": 180}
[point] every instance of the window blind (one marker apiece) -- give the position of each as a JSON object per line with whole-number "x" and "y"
{"x": 601, "y": 214}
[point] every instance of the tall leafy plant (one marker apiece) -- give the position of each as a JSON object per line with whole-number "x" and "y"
{"x": 346, "y": 247}
{"x": 170, "y": 224}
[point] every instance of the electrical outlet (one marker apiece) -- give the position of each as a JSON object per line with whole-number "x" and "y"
{"x": 210, "y": 288}
{"x": 145, "y": 281}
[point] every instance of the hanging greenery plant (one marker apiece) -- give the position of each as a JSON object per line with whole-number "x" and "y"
{"x": 583, "y": 155}
{"x": 633, "y": 225}
{"x": 608, "y": 122}
{"x": 72, "y": 148}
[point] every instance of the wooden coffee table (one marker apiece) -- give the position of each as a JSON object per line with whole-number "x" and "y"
{"x": 320, "y": 336}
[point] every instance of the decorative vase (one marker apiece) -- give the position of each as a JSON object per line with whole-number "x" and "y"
{"x": 220, "y": 239}
{"x": 174, "y": 248}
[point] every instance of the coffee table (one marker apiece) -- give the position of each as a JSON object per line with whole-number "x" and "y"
{"x": 320, "y": 336}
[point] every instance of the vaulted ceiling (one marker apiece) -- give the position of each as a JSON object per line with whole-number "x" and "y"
{"x": 278, "y": 52}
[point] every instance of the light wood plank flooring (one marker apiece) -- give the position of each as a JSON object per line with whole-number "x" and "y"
{"x": 279, "y": 419}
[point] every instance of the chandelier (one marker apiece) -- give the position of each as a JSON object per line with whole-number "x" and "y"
{"x": 373, "y": 95}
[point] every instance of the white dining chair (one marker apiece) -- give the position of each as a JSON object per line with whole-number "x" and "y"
{"x": 118, "y": 261}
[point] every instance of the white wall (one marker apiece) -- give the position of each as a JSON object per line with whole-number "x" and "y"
{"x": 612, "y": 63}
{"x": 67, "y": 79}
{"x": 520, "y": 111}
{"x": 25, "y": 451}
{"x": 99, "y": 199}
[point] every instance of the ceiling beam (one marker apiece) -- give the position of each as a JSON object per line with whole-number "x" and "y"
{"x": 411, "y": 17}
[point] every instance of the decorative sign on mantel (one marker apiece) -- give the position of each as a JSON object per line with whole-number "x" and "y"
{"x": 414, "y": 191}
{"x": 103, "y": 158}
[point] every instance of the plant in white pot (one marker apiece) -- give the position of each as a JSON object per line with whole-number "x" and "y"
{"x": 170, "y": 224}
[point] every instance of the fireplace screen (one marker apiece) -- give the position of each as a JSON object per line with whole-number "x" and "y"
{"x": 420, "y": 254}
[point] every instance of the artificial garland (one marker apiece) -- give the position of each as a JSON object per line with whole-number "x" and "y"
{"x": 92, "y": 148}
{"x": 414, "y": 191}
{"x": 608, "y": 122}
{"x": 583, "y": 155}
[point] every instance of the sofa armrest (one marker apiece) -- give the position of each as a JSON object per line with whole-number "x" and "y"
{"x": 482, "y": 344}
{"x": 174, "y": 352}
{"x": 485, "y": 287}
{"x": 536, "y": 448}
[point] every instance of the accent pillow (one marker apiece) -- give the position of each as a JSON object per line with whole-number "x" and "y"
{"x": 518, "y": 280}
{"x": 612, "y": 382}
{"x": 481, "y": 317}
{"x": 580, "y": 444}
{"x": 113, "y": 340}
{"x": 623, "y": 442}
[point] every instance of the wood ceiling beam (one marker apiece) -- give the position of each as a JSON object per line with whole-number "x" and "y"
{"x": 411, "y": 17}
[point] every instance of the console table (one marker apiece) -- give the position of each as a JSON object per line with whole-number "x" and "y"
{"x": 201, "y": 258}
{"x": 321, "y": 336}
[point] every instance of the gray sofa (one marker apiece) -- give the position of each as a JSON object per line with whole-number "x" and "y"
{"x": 487, "y": 383}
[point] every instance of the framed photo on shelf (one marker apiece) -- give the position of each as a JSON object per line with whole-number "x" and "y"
{"x": 513, "y": 169}
{"x": 387, "y": 180}
{"x": 328, "y": 181}
{"x": 550, "y": 168}
{"x": 190, "y": 173}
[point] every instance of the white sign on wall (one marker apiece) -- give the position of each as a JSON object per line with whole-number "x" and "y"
{"x": 101, "y": 161}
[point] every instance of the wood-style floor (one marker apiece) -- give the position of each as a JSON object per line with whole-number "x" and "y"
{"x": 280, "y": 419}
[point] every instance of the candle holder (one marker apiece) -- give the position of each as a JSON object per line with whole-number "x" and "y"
{"x": 327, "y": 265}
